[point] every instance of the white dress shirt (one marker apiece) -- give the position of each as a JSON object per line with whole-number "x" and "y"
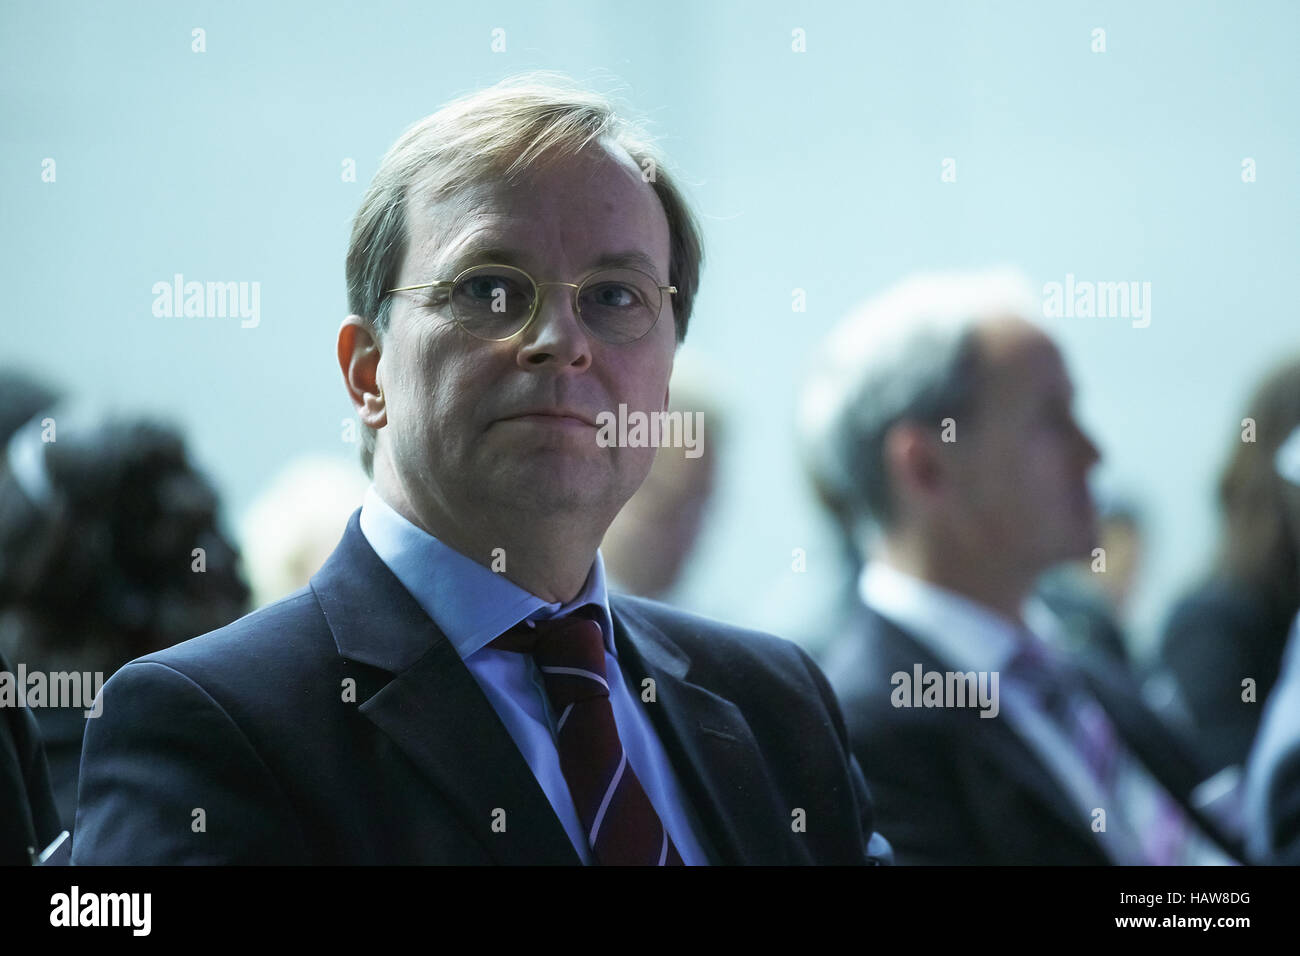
{"x": 969, "y": 636}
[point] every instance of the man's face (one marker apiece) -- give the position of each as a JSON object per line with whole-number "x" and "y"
{"x": 459, "y": 433}
{"x": 1020, "y": 479}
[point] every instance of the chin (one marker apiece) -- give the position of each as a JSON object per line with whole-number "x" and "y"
{"x": 1073, "y": 545}
{"x": 551, "y": 487}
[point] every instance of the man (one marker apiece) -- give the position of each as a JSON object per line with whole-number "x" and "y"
{"x": 455, "y": 686}
{"x": 941, "y": 431}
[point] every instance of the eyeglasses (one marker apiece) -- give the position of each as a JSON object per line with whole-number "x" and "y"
{"x": 497, "y": 302}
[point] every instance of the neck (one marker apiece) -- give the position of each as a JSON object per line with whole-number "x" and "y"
{"x": 977, "y": 577}
{"x": 547, "y": 555}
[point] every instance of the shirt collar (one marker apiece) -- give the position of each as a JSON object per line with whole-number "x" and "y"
{"x": 957, "y": 629}
{"x": 470, "y": 603}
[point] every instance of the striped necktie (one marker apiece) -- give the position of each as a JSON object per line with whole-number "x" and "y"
{"x": 621, "y": 824}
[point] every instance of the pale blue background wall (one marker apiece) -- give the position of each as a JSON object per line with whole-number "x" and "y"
{"x": 818, "y": 170}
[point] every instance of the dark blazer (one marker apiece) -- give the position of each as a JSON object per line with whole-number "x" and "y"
{"x": 1217, "y": 635}
{"x": 952, "y": 787}
{"x": 254, "y": 726}
{"x": 29, "y": 819}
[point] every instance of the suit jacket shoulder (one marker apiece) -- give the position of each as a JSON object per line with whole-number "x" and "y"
{"x": 180, "y": 766}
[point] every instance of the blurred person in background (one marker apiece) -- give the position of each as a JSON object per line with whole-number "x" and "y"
{"x": 29, "y": 816}
{"x": 1232, "y": 627}
{"x": 1091, "y": 596}
{"x": 100, "y": 519}
{"x": 1122, "y": 536}
{"x": 653, "y": 537}
{"x": 294, "y": 524}
{"x": 1272, "y": 801}
{"x": 939, "y": 422}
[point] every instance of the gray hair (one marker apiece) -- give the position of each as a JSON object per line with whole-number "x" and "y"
{"x": 501, "y": 133}
{"x": 907, "y": 355}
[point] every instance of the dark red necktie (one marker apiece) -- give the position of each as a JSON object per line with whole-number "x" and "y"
{"x": 621, "y": 824}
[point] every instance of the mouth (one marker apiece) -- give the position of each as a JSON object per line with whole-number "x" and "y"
{"x": 553, "y": 418}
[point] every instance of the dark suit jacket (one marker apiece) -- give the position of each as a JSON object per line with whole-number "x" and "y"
{"x": 952, "y": 787}
{"x": 251, "y": 725}
{"x": 1217, "y": 635}
{"x": 28, "y": 817}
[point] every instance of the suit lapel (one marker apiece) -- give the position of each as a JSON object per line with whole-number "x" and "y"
{"x": 434, "y": 710}
{"x": 1165, "y": 756}
{"x": 1014, "y": 759}
{"x": 707, "y": 740}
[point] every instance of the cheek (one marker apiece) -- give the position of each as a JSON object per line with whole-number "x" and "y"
{"x": 445, "y": 376}
{"x": 643, "y": 378}
{"x": 1004, "y": 484}
{"x": 1049, "y": 460}
{"x": 425, "y": 378}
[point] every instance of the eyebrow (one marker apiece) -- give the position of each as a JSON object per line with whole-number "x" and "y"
{"x": 476, "y": 255}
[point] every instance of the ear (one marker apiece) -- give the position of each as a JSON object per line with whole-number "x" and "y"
{"x": 358, "y": 354}
{"x": 914, "y": 465}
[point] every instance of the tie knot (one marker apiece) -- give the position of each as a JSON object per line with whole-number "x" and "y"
{"x": 569, "y": 651}
{"x": 1045, "y": 671}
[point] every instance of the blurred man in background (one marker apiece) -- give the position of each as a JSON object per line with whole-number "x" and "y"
{"x": 653, "y": 537}
{"x": 295, "y": 522}
{"x": 1090, "y": 597}
{"x": 940, "y": 422}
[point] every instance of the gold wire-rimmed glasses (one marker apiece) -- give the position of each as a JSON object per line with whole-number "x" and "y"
{"x": 496, "y": 302}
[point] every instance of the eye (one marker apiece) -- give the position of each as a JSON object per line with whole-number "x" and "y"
{"x": 613, "y": 295}
{"x": 484, "y": 287}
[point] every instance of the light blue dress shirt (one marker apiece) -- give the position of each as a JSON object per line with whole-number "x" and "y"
{"x": 473, "y": 605}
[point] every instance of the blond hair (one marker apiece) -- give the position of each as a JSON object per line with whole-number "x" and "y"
{"x": 501, "y": 134}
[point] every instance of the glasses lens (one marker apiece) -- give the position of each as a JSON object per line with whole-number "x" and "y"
{"x": 619, "y": 305}
{"x": 492, "y": 302}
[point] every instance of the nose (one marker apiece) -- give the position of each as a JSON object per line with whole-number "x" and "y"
{"x": 1089, "y": 453}
{"x": 555, "y": 336}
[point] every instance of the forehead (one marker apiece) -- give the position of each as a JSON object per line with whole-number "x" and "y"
{"x": 571, "y": 213}
{"x": 1019, "y": 362}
